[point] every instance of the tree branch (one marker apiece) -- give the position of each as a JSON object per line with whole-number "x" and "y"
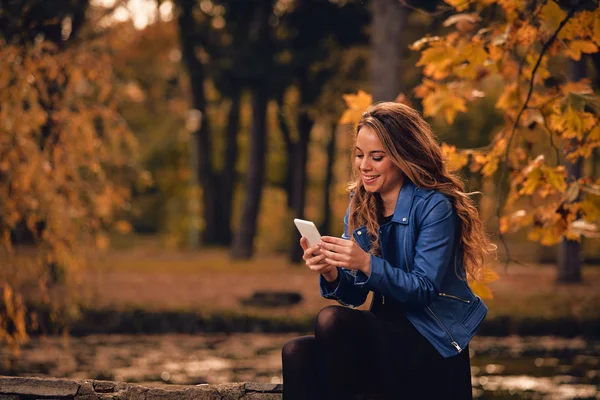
{"x": 520, "y": 113}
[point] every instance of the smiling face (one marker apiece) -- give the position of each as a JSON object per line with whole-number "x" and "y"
{"x": 374, "y": 166}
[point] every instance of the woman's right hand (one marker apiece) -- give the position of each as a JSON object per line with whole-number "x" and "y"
{"x": 314, "y": 260}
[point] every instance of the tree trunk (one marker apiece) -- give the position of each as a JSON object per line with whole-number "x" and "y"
{"x": 243, "y": 247}
{"x": 227, "y": 176}
{"x": 388, "y": 21}
{"x": 203, "y": 146}
{"x": 569, "y": 253}
{"x": 289, "y": 146}
{"x": 305, "y": 124}
{"x": 328, "y": 182}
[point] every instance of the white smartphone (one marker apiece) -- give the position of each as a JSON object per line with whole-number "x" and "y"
{"x": 309, "y": 231}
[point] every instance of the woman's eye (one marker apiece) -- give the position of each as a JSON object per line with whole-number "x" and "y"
{"x": 377, "y": 158}
{"x": 359, "y": 156}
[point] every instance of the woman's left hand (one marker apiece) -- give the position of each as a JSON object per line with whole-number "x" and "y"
{"x": 345, "y": 254}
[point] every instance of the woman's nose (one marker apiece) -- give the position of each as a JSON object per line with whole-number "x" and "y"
{"x": 365, "y": 165}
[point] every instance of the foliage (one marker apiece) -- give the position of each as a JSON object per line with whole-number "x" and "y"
{"x": 524, "y": 49}
{"x": 67, "y": 161}
{"x": 156, "y": 108}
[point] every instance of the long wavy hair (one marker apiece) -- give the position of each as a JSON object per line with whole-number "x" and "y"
{"x": 412, "y": 146}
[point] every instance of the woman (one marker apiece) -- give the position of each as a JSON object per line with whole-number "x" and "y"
{"x": 411, "y": 236}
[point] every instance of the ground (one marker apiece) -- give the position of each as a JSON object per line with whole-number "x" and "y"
{"x": 156, "y": 279}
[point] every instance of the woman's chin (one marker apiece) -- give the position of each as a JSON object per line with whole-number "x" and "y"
{"x": 370, "y": 188}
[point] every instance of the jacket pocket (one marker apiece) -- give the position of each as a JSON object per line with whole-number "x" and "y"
{"x": 454, "y": 297}
{"x": 475, "y": 306}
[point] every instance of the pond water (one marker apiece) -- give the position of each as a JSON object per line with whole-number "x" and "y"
{"x": 502, "y": 368}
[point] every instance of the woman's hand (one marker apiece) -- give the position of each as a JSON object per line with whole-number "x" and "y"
{"x": 345, "y": 254}
{"x": 314, "y": 260}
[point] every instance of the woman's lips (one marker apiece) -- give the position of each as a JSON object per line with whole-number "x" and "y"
{"x": 369, "y": 179}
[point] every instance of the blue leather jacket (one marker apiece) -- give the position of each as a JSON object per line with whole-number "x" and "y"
{"x": 420, "y": 267}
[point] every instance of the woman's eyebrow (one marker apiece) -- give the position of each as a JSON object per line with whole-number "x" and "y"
{"x": 371, "y": 152}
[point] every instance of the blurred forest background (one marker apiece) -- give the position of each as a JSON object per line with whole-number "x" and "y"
{"x": 205, "y": 126}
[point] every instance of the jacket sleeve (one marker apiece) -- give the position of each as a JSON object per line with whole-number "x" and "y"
{"x": 433, "y": 255}
{"x": 347, "y": 293}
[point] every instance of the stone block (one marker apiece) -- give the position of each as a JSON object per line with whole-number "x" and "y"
{"x": 262, "y": 396}
{"x": 183, "y": 394}
{"x": 230, "y": 391}
{"x": 48, "y": 387}
{"x": 263, "y": 387}
{"x": 104, "y": 386}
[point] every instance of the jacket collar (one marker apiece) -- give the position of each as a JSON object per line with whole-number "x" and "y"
{"x": 404, "y": 202}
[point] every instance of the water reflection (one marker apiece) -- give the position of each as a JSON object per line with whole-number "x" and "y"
{"x": 502, "y": 368}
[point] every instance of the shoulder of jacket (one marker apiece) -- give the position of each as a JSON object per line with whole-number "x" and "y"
{"x": 424, "y": 193}
{"x": 429, "y": 198}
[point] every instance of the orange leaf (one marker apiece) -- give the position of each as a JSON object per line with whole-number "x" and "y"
{"x": 577, "y": 47}
{"x": 357, "y": 104}
{"x": 455, "y": 160}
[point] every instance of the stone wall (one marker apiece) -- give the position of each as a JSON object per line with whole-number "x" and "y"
{"x": 21, "y": 388}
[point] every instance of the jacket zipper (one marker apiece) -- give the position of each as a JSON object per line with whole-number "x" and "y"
{"x": 453, "y": 343}
{"x": 451, "y": 296}
{"x": 447, "y": 331}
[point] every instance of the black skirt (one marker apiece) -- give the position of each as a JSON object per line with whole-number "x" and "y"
{"x": 414, "y": 367}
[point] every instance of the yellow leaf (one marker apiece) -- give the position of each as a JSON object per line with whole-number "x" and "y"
{"x": 474, "y": 58}
{"x": 526, "y": 34}
{"x": 460, "y": 5}
{"x": 556, "y": 178}
{"x": 496, "y": 52}
{"x": 443, "y": 101}
{"x": 552, "y": 15}
{"x": 509, "y": 97}
{"x": 437, "y": 61}
{"x": 596, "y": 28}
{"x": 577, "y": 47}
{"x": 454, "y": 160}
{"x": 481, "y": 289}
{"x": 583, "y": 86}
{"x": 357, "y": 104}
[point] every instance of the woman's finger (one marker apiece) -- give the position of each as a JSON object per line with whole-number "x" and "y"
{"x": 304, "y": 243}
{"x": 335, "y": 240}
{"x": 330, "y": 254}
{"x": 311, "y": 252}
{"x": 335, "y": 247}
{"x": 336, "y": 263}
{"x": 319, "y": 267}
{"x": 315, "y": 260}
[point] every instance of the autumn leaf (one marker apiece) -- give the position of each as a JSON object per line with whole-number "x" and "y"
{"x": 509, "y": 97}
{"x": 357, "y": 104}
{"x": 454, "y": 160}
{"x": 526, "y": 35}
{"x": 443, "y": 101}
{"x": 596, "y": 28}
{"x": 551, "y": 16}
{"x": 460, "y": 5}
{"x": 437, "y": 61}
{"x": 577, "y": 47}
{"x": 480, "y": 285}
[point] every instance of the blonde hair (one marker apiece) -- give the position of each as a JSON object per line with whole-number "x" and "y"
{"x": 413, "y": 148}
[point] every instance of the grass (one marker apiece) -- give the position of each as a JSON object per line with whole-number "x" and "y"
{"x": 206, "y": 280}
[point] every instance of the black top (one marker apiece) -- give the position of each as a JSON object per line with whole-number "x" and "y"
{"x": 386, "y": 307}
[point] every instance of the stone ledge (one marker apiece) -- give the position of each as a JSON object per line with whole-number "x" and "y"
{"x": 22, "y": 388}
